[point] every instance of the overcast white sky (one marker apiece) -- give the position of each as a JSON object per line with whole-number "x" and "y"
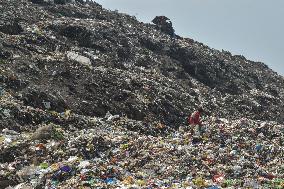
{"x": 253, "y": 28}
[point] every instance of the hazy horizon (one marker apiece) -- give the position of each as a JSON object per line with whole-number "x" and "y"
{"x": 246, "y": 27}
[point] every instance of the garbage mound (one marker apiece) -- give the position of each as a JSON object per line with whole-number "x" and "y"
{"x": 110, "y": 152}
{"x": 94, "y": 98}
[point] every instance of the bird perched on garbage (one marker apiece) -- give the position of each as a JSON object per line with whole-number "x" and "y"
{"x": 194, "y": 119}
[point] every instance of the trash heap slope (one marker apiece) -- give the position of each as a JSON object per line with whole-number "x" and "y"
{"x": 92, "y": 60}
{"x": 94, "y": 97}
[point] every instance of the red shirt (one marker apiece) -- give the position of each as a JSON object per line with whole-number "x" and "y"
{"x": 194, "y": 119}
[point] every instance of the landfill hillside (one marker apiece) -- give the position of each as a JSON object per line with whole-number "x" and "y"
{"x": 91, "y": 61}
{"x": 92, "y": 97}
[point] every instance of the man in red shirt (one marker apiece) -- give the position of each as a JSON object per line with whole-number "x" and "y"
{"x": 194, "y": 119}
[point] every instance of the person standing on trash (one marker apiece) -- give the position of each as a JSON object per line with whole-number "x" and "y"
{"x": 195, "y": 120}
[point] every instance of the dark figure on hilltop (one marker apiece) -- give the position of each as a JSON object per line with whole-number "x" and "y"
{"x": 164, "y": 24}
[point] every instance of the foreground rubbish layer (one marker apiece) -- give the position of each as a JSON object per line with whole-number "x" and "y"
{"x": 110, "y": 152}
{"x": 91, "y": 97}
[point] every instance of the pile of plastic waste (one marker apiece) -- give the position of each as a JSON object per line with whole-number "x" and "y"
{"x": 237, "y": 153}
{"x": 92, "y": 98}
